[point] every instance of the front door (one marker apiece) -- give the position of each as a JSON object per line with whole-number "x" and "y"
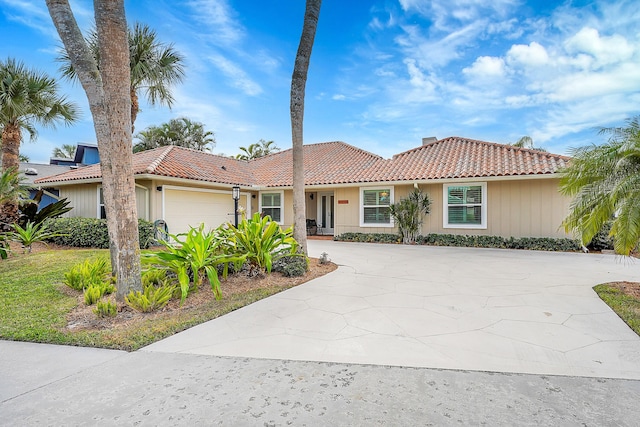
{"x": 325, "y": 213}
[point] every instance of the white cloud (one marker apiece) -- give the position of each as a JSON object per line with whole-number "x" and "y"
{"x": 604, "y": 49}
{"x": 218, "y": 16}
{"x": 238, "y": 78}
{"x": 531, "y": 55}
{"x": 486, "y": 68}
{"x": 338, "y": 97}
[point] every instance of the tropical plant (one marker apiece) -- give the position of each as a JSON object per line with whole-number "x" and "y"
{"x": 30, "y": 234}
{"x": 29, "y": 210}
{"x": 260, "y": 149}
{"x": 260, "y": 241}
{"x": 153, "y": 298}
{"x": 27, "y": 98}
{"x": 4, "y": 246}
{"x": 298, "y": 84}
{"x": 95, "y": 291}
{"x": 87, "y": 273}
{"x": 23, "y": 158}
{"x": 407, "y": 214}
{"x": 106, "y": 309}
{"x": 181, "y": 131}
{"x": 197, "y": 251}
{"x": 109, "y": 86}
{"x": 154, "y": 66}
{"x": 605, "y": 183}
{"x": 527, "y": 142}
{"x": 66, "y": 151}
{"x": 12, "y": 187}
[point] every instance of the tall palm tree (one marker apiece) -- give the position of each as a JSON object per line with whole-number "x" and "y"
{"x": 155, "y": 67}
{"x": 605, "y": 183}
{"x": 67, "y": 151}
{"x": 27, "y": 98}
{"x": 181, "y": 131}
{"x": 298, "y": 84}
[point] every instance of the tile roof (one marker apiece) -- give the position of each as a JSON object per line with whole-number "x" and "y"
{"x": 41, "y": 170}
{"x": 339, "y": 163}
{"x": 456, "y": 157}
{"x": 324, "y": 163}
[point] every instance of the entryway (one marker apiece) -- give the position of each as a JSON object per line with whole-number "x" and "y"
{"x": 325, "y": 213}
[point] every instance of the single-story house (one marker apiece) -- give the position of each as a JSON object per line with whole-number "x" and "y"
{"x": 476, "y": 187}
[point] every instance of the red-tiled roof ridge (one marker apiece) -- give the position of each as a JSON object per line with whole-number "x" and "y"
{"x": 155, "y": 163}
{"x": 353, "y": 147}
{"x": 479, "y": 141}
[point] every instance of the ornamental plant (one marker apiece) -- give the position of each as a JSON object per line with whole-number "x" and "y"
{"x": 260, "y": 241}
{"x": 407, "y": 214}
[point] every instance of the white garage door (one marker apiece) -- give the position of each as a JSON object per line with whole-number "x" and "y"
{"x": 187, "y": 208}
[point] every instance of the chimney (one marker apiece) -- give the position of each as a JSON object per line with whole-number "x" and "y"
{"x": 429, "y": 140}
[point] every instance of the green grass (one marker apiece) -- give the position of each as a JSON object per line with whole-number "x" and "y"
{"x": 34, "y": 305}
{"x": 625, "y": 306}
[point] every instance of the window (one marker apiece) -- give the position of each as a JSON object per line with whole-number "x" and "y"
{"x": 465, "y": 206}
{"x": 271, "y": 204}
{"x": 375, "y": 211}
{"x": 102, "y": 213}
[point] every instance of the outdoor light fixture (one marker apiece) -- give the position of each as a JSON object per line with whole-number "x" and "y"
{"x": 235, "y": 193}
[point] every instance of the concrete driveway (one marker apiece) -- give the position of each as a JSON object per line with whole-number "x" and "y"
{"x": 455, "y": 308}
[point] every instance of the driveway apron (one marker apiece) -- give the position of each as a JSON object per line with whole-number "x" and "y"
{"x": 437, "y": 307}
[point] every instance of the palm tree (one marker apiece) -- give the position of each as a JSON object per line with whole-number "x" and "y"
{"x": 181, "y": 131}
{"x": 259, "y": 149}
{"x": 527, "y": 142}
{"x": 108, "y": 91}
{"x": 155, "y": 67}
{"x": 67, "y": 151}
{"x": 298, "y": 84}
{"x": 605, "y": 183}
{"x": 27, "y": 98}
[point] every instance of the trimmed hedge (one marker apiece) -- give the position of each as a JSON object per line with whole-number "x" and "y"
{"x": 91, "y": 232}
{"x": 529, "y": 243}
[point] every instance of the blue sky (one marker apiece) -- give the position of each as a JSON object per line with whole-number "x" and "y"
{"x": 383, "y": 74}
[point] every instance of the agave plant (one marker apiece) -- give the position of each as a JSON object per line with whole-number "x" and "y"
{"x": 198, "y": 251}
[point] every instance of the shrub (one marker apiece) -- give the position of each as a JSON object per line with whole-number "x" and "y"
{"x": 88, "y": 273}
{"x": 260, "y": 241}
{"x": 106, "y": 309}
{"x": 291, "y": 266}
{"x": 198, "y": 251}
{"x": 369, "y": 237}
{"x": 408, "y": 212}
{"x": 602, "y": 240}
{"x": 530, "y": 243}
{"x": 151, "y": 299}
{"x": 96, "y": 291}
{"x": 91, "y": 232}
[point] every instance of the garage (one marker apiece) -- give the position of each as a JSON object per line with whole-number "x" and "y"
{"x": 185, "y": 207}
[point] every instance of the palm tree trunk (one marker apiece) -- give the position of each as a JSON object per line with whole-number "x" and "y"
{"x": 298, "y": 84}
{"x": 135, "y": 107}
{"x": 112, "y": 124}
{"x": 10, "y": 151}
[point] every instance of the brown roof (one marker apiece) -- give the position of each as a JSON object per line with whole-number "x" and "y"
{"x": 339, "y": 163}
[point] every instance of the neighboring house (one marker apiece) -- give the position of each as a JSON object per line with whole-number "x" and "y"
{"x": 86, "y": 154}
{"x": 476, "y": 187}
{"x": 33, "y": 171}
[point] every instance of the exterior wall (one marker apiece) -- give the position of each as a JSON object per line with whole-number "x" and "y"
{"x": 83, "y": 198}
{"x": 516, "y": 208}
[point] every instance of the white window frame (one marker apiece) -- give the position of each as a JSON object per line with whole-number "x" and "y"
{"x": 445, "y": 205}
{"x": 99, "y": 205}
{"x": 361, "y": 190}
{"x": 281, "y": 192}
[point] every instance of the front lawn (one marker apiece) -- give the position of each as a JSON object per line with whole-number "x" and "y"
{"x": 624, "y": 300}
{"x": 36, "y": 306}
